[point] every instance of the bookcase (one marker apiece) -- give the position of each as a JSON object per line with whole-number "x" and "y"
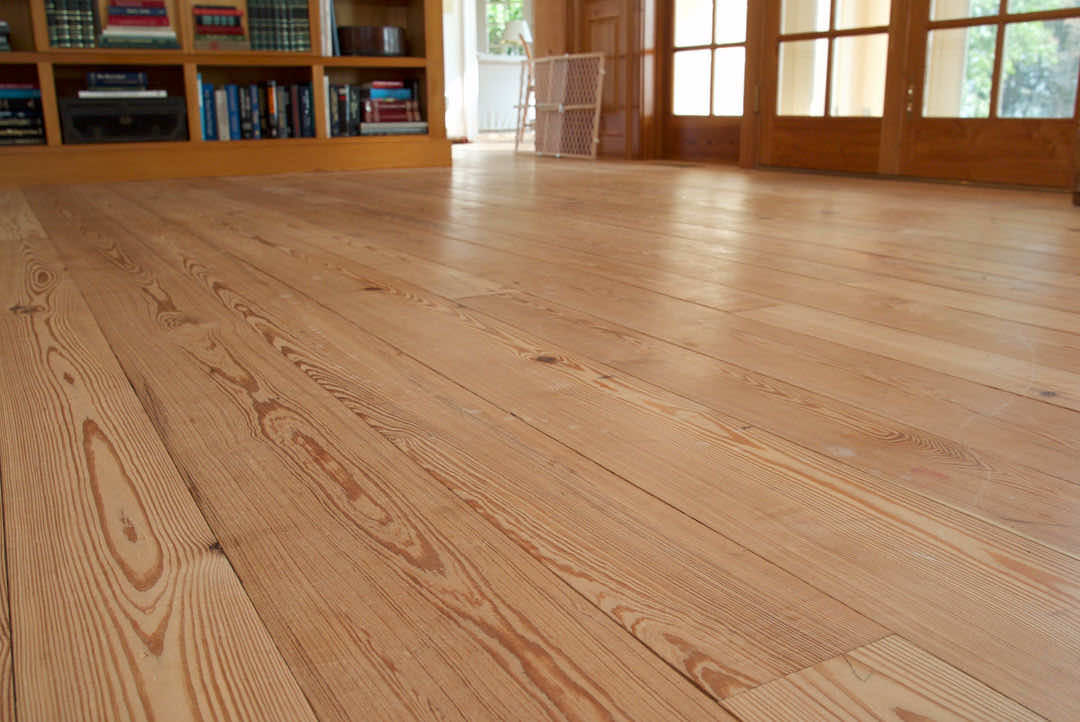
{"x": 58, "y": 71}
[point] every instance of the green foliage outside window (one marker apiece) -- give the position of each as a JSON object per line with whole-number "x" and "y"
{"x": 499, "y": 14}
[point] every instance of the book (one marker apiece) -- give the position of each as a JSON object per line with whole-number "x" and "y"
{"x": 117, "y": 93}
{"x": 376, "y": 110}
{"x": 244, "y": 109}
{"x": 202, "y": 107}
{"x": 19, "y": 93}
{"x": 272, "y": 118}
{"x": 123, "y": 12}
{"x": 404, "y": 128}
{"x": 116, "y": 79}
{"x": 294, "y": 110}
{"x": 390, "y": 93}
{"x": 233, "y": 93}
{"x": 209, "y": 107}
{"x": 221, "y": 112}
{"x": 385, "y": 84}
{"x": 307, "y": 111}
{"x": 256, "y": 111}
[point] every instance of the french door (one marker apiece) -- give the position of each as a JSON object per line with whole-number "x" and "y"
{"x": 992, "y": 90}
{"x": 969, "y": 89}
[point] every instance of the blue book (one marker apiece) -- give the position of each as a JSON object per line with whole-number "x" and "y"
{"x": 391, "y": 93}
{"x": 256, "y": 112}
{"x": 233, "y": 93}
{"x": 209, "y": 113}
{"x": 20, "y": 93}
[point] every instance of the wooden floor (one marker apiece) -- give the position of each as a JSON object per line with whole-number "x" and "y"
{"x": 532, "y": 439}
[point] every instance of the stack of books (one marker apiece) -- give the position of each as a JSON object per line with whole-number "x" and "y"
{"x": 118, "y": 85}
{"x": 381, "y": 107}
{"x": 280, "y": 25}
{"x": 71, "y": 23}
{"x": 256, "y": 111}
{"x": 21, "y": 122}
{"x": 220, "y": 27}
{"x": 5, "y": 36}
{"x": 141, "y": 24}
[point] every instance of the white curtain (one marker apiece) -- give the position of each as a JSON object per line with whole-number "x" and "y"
{"x": 462, "y": 72}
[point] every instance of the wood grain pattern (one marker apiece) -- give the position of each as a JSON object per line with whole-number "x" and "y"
{"x": 123, "y": 605}
{"x": 936, "y": 575}
{"x": 480, "y": 449}
{"x": 387, "y": 595}
{"x": 890, "y": 679}
{"x": 653, "y": 558}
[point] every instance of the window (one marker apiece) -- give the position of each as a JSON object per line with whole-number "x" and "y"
{"x": 832, "y": 57}
{"x": 1037, "y": 73}
{"x": 710, "y": 57}
{"x": 495, "y": 15}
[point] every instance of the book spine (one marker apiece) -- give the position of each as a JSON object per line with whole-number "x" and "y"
{"x": 342, "y": 103}
{"x": 329, "y": 129}
{"x": 137, "y": 4}
{"x": 244, "y": 102}
{"x": 303, "y": 25}
{"x": 256, "y": 112}
{"x": 102, "y": 79}
{"x": 307, "y": 111}
{"x": 221, "y": 109}
{"x": 51, "y": 21}
{"x": 283, "y": 112}
{"x": 234, "y": 112}
{"x": 390, "y": 93}
{"x": 202, "y": 107}
{"x": 210, "y": 111}
{"x": 356, "y": 109}
{"x": 115, "y": 12}
{"x": 272, "y": 108}
{"x": 139, "y": 21}
{"x": 294, "y": 108}
{"x": 254, "y": 24}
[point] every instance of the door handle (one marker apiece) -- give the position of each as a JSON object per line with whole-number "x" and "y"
{"x": 910, "y": 104}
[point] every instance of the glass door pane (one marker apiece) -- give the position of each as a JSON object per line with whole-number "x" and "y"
{"x": 858, "y": 70}
{"x": 954, "y": 9}
{"x": 959, "y": 72}
{"x": 800, "y": 88}
{"x": 804, "y": 16}
{"x": 729, "y": 73}
{"x": 693, "y": 22}
{"x": 1040, "y": 62}
{"x": 1034, "y": 6}
{"x": 691, "y": 95}
{"x": 862, "y": 13}
{"x": 730, "y": 21}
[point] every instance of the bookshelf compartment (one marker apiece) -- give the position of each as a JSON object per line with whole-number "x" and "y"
{"x": 22, "y": 120}
{"x": 70, "y": 79}
{"x": 405, "y": 14}
{"x": 241, "y": 103}
{"x": 18, "y": 16}
{"x": 348, "y": 114}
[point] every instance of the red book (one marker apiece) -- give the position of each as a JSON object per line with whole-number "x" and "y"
{"x": 140, "y": 21}
{"x": 219, "y": 30}
{"x": 17, "y": 86}
{"x": 387, "y": 84}
{"x": 137, "y": 3}
{"x": 203, "y": 10}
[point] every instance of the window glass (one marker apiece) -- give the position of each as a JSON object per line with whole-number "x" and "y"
{"x": 858, "y": 69}
{"x": 730, "y": 21}
{"x": 862, "y": 13}
{"x": 959, "y": 72}
{"x": 801, "y": 86}
{"x": 1034, "y": 6}
{"x": 1039, "y": 66}
{"x": 691, "y": 82}
{"x": 952, "y": 9}
{"x": 729, "y": 73}
{"x": 693, "y": 22}
{"x": 804, "y": 16}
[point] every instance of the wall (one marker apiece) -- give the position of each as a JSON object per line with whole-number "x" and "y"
{"x": 500, "y": 83}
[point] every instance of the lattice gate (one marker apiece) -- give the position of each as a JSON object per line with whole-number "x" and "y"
{"x": 568, "y": 90}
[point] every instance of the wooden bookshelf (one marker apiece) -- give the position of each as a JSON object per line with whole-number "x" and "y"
{"x": 59, "y": 162}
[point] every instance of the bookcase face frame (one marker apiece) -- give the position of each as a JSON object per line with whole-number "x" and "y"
{"x": 34, "y": 60}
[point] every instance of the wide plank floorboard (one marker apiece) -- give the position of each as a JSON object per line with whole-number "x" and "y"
{"x": 530, "y": 439}
{"x": 123, "y": 606}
